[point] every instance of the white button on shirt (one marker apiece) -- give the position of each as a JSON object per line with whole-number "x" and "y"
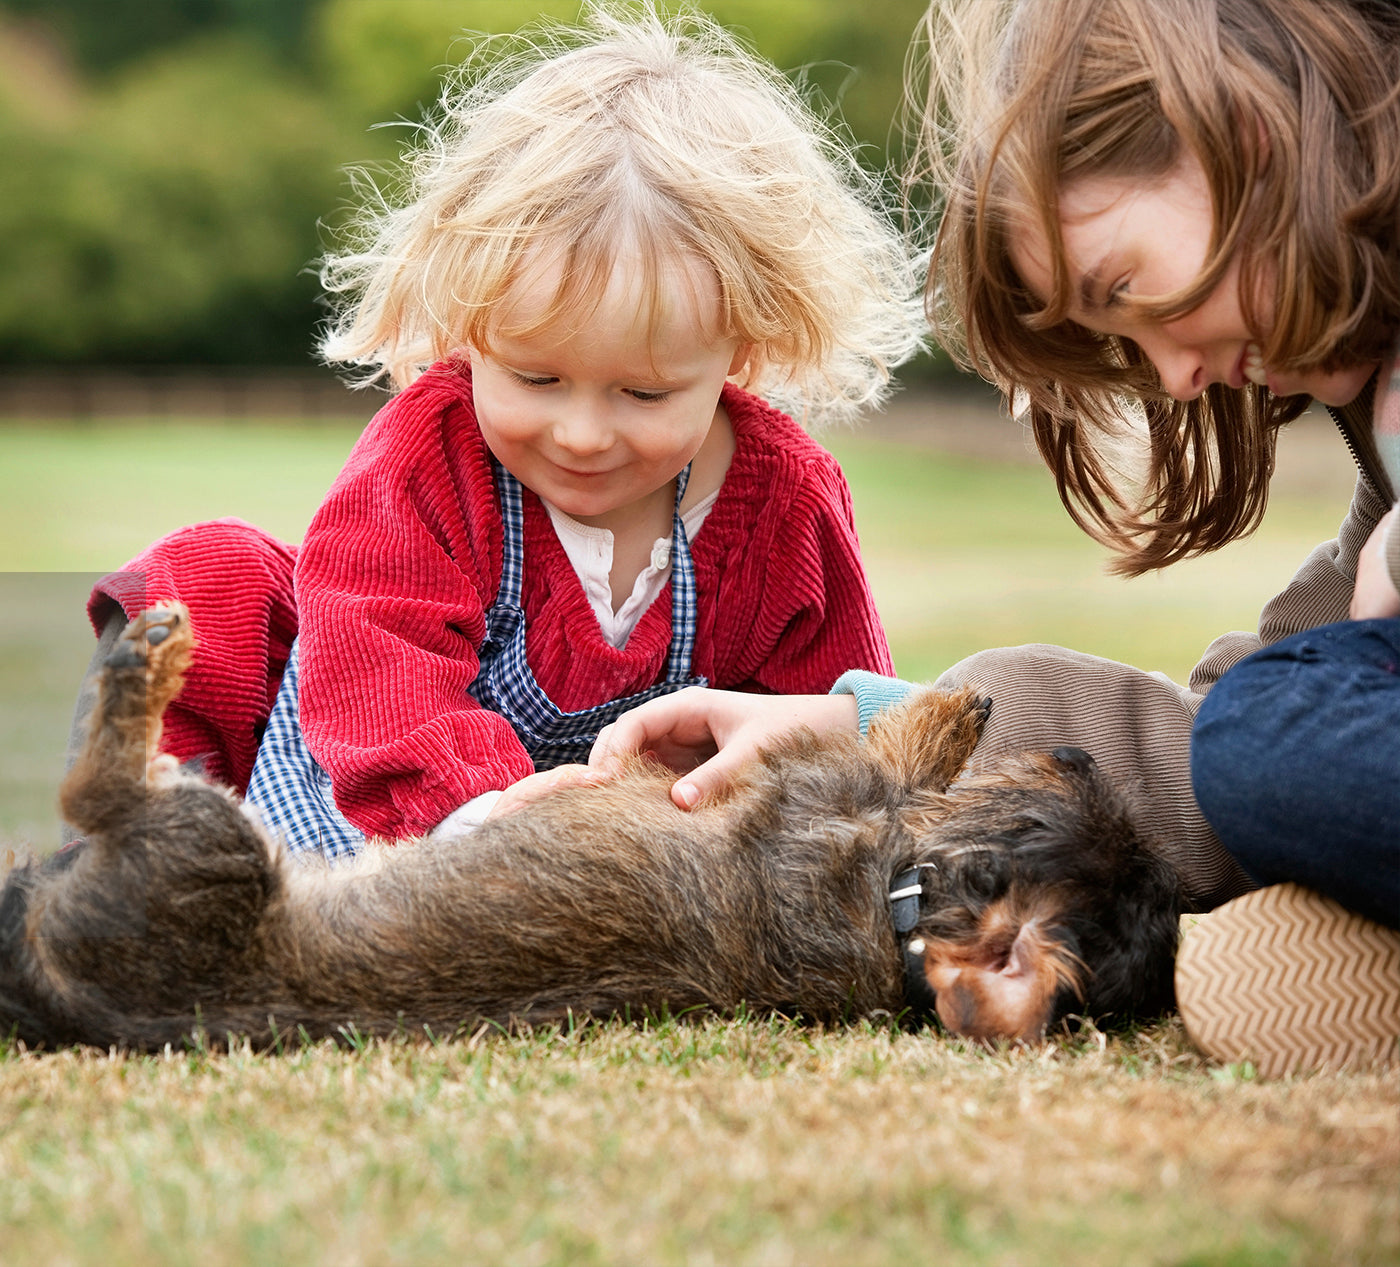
{"x": 590, "y": 551}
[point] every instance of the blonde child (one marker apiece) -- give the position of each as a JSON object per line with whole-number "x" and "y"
{"x": 572, "y": 505}
{"x": 1166, "y": 227}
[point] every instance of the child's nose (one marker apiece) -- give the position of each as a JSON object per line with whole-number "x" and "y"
{"x": 583, "y": 429}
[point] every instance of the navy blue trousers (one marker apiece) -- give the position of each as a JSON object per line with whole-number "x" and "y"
{"x": 1295, "y": 761}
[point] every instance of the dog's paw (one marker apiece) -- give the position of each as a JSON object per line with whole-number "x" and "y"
{"x": 159, "y": 640}
{"x": 925, "y": 741}
{"x": 152, "y": 628}
{"x": 968, "y": 712}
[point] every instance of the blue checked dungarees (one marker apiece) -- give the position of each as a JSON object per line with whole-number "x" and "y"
{"x": 293, "y": 793}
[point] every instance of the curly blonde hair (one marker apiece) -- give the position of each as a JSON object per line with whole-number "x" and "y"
{"x": 661, "y": 139}
{"x": 1292, "y": 110}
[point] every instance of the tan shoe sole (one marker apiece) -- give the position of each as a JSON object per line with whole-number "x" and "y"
{"x": 1291, "y": 981}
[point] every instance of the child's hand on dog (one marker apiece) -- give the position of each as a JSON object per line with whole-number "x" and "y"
{"x": 707, "y": 735}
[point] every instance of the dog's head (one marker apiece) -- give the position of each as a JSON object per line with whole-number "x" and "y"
{"x": 1043, "y": 899}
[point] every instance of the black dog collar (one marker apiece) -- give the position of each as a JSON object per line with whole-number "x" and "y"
{"x": 906, "y": 904}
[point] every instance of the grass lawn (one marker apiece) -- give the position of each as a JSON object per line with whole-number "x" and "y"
{"x": 733, "y": 1143}
{"x": 704, "y": 1142}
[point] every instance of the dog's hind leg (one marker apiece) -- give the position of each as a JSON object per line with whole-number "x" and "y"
{"x": 153, "y": 919}
{"x": 142, "y": 675}
{"x": 74, "y": 928}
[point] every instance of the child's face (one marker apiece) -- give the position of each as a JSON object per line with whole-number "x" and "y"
{"x": 604, "y": 408}
{"x": 1124, "y": 237}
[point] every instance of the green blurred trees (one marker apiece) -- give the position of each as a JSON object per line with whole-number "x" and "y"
{"x": 168, "y": 163}
{"x": 101, "y": 34}
{"x": 169, "y": 216}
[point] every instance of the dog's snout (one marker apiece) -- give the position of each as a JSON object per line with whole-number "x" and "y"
{"x": 1075, "y": 758}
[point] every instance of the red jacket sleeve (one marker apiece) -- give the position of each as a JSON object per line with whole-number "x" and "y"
{"x": 392, "y": 583}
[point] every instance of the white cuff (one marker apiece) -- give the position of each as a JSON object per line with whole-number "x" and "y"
{"x": 466, "y": 818}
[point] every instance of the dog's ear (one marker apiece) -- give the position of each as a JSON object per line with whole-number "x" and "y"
{"x": 1002, "y": 983}
{"x": 926, "y": 740}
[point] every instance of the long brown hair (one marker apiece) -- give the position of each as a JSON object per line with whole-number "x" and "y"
{"x": 1292, "y": 108}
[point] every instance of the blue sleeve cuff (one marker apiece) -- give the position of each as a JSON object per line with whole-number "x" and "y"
{"x": 874, "y": 694}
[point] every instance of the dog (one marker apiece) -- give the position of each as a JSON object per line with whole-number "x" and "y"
{"x": 841, "y": 878}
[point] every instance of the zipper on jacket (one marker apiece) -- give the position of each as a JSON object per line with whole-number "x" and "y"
{"x": 1354, "y": 422}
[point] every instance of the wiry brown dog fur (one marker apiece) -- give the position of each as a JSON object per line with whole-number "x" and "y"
{"x": 177, "y": 913}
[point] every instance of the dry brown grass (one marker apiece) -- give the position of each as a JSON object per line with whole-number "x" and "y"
{"x": 734, "y": 1142}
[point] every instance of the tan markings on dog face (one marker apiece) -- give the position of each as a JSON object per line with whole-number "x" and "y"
{"x": 1002, "y": 981}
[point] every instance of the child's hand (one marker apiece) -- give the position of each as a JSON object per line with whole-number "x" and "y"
{"x": 1375, "y": 594}
{"x": 708, "y": 735}
{"x": 534, "y": 786}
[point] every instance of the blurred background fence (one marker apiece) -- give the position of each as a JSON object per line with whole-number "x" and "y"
{"x": 92, "y": 394}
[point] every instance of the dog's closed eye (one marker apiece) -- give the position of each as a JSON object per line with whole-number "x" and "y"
{"x": 1023, "y": 826}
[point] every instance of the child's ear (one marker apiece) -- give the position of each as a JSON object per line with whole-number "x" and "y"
{"x": 741, "y": 358}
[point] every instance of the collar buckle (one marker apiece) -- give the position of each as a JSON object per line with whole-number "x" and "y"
{"x": 905, "y": 891}
{"x": 906, "y": 904}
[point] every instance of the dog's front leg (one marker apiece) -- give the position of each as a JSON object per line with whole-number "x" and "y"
{"x": 925, "y": 741}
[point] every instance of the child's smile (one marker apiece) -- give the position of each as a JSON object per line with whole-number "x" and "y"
{"x": 597, "y": 410}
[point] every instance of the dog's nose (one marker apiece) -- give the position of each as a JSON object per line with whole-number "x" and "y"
{"x": 1075, "y": 758}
